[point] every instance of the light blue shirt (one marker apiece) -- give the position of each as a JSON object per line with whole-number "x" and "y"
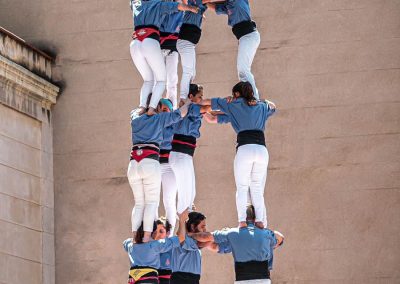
{"x": 148, "y": 254}
{"x": 237, "y": 11}
{"x": 249, "y": 243}
{"x": 152, "y": 12}
{"x": 191, "y": 123}
{"x": 187, "y": 257}
{"x": 172, "y": 23}
{"x": 149, "y": 129}
{"x": 165, "y": 260}
{"x": 168, "y": 134}
{"x": 192, "y": 18}
{"x": 241, "y": 115}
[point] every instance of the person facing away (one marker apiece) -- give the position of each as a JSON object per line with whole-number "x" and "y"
{"x": 252, "y": 248}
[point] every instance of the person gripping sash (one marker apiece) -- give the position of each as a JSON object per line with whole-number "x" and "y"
{"x": 145, "y": 47}
{"x": 248, "y": 118}
{"x": 144, "y": 173}
{"x": 245, "y": 30}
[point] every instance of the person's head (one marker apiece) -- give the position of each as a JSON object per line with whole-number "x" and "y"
{"x": 165, "y": 105}
{"x": 250, "y": 214}
{"x": 196, "y": 223}
{"x": 244, "y": 90}
{"x": 195, "y": 93}
{"x": 163, "y": 227}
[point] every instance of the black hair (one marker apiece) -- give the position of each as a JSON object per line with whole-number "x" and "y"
{"x": 195, "y": 219}
{"x": 250, "y": 213}
{"x": 245, "y": 90}
{"x": 140, "y": 233}
{"x": 194, "y": 89}
{"x": 164, "y": 221}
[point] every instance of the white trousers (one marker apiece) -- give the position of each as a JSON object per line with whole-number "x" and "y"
{"x": 145, "y": 181}
{"x": 187, "y": 51}
{"x": 169, "y": 191}
{"x": 182, "y": 165}
{"x": 256, "y": 281}
{"x": 149, "y": 61}
{"x": 250, "y": 168}
{"x": 171, "y": 59}
{"x": 247, "y": 49}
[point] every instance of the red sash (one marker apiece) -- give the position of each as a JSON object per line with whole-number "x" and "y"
{"x": 184, "y": 143}
{"x": 164, "y": 276}
{"x": 140, "y": 154}
{"x": 143, "y": 33}
{"x": 171, "y": 36}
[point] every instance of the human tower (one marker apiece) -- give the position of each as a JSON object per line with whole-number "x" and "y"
{"x": 164, "y": 134}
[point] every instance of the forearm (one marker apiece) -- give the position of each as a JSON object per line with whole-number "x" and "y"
{"x": 203, "y": 237}
{"x": 181, "y": 233}
{"x": 205, "y": 102}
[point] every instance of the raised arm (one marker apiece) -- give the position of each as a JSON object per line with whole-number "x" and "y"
{"x": 181, "y": 233}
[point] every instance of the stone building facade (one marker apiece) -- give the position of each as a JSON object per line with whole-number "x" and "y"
{"x": 333, "y": 69}
{"x": 26, "y": 163}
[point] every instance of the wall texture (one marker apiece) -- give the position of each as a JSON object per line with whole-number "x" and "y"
{"x": 27, "y": 248}
{"x": 333, "y": 69}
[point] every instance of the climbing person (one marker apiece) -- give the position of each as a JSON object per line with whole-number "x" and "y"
{"x": 169, "y": 32}
{"x": 248, "y": 118}
{"x": 145, "y": 47}
{"x": 189, "y": 36}
{"x": 245, "y": 30}
{"x": 144, "y": 172}
{"x": 186, "y": 133}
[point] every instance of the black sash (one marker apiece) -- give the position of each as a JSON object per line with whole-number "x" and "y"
{"x": 190, "y": 32}
{"x": 250, "y": 137}
{"x": 244, "y": 28}
{"x": 251, "y": 270}
{"x": 184, "y": 278}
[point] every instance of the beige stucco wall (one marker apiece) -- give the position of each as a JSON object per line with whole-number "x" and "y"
{"x": 332, "y": 68}
{"x": 27, "y": 250}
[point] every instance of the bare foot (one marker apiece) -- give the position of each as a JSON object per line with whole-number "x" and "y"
{"x": 242, "y": 224}
{"x": 259, "y": 225}
{"x": 151, "y": 111}
{"x": 142, "y": 110}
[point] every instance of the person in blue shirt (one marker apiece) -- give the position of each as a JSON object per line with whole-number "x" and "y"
{"x": 239, "y": 18}
{"x": 145, "y": 258}
{"x": 145, "y": 48}
{"x": 169, "y": 33}
{"x": 162, "y": 232}
{"x": 144, "y": 173}
{"x": 186, "y": 259}
{"x": 186, "y": 133}
{"x": 189, "y": 36}
{"x": 168, "y": 181}
{"x": 248, "y": 117}
{"x": 252, "y": 248}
